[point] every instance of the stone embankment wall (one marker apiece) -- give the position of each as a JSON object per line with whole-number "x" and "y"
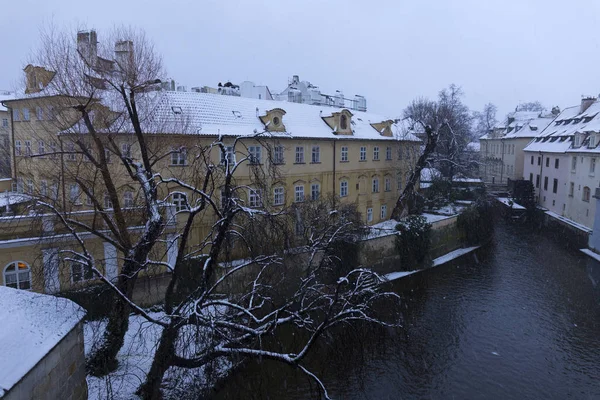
{"x": 59, "y": 375}
{"x": 380, "y": 253}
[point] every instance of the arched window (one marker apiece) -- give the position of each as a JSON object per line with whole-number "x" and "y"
{"x": 17, "y": 275}
{"x": 343, "y": 122}
{"x": 586, "y": 194}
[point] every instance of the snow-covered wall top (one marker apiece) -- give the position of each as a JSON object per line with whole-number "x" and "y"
{"x": 32, "y": 325}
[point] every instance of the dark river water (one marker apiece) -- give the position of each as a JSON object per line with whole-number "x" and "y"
{"x": 519, "y": 321}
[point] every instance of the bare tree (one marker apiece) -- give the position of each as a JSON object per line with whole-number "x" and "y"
{"x": 485, "y": 121}
{"x": 530, "y": 106}
{"x": 107, "y": 154}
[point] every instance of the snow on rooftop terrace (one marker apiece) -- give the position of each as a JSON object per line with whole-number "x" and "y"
{"x": 32, "y": 325}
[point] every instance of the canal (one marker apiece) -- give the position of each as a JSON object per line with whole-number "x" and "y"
{"x": 519, "y": 321}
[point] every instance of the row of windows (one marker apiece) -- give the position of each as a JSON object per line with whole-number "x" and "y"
{"x": 17, "y": 274}
{"x": 255, "y": 154}
{"x": 500, "y": 148}
{"x": 586, "y": 194}
{"x": 40, "y": 113}
{"x": 539, "y": 161}
{"x": 25, "y": 148}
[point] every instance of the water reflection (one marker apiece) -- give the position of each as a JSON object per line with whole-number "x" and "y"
{"x": 522, "y": 323}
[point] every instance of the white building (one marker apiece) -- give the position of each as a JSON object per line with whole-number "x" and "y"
{"x": 561, "y": 162}
{"x": 501, "y": 151}
{"x": 305, "y": 92}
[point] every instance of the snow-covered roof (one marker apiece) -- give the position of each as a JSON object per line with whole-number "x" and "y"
{"x": 211, "y": 114}
{"x": 5, "y": 95}
{"x": 32, "y": 325}
{"x": 557, "y": 137}
{"x": 474, "y": 146}
{"x": 526, "y": 124}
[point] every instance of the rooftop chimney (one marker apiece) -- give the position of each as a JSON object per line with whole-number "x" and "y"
{"x": 87, "y": 45}
{"x": 295, "y": 79}
{"x": 586, "y": 102}
{"x": 124, "y": 53}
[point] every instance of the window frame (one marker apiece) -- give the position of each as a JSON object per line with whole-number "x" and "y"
{"x": 299, "y": 155}
{"x": 344, "y": 154}
{"x": 17, "y": 273}
{"x": 375, "y": 153}
{"x": 314, "y": 195}
{"x": 178, "y": 157}
{"x": 279, "y": 155}
{"x": 315, "y": 155}
{"x": 383, "y": 213}
{"x": 255, "y": 154}
{"x": 344, "y": 188}
{"x": 375, "y": 184}
{"x": 363, "y": 153}
{"x": 298, "y": 193}
{"x": 388, "y": 153}
{"x": 369, "y": 214}
{"x": 278, "y": 196}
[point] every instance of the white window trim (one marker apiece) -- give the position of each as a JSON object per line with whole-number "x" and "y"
{"x": 16, "y": 273}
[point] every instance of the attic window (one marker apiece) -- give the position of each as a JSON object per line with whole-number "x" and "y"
{"x": 343, "y": 122}
{"x": 587, "y": 119}
{"x": 576, "y": 120}
{"x": 276, "y": 121}
{"x": 557, "y": 123}
{"x": 237, "y": 114}
{"x": 544, "y": 140}
{"x": 360, "y": 119}
{"x": 552, "y": 140}
{"x": 562, "y": 139}
{"x": 177, "y": 110}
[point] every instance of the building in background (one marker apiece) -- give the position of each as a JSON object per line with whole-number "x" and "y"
{"x": 562, "y": 163}
{"x": 501, "y": 150}
{"x": 4, "y": 135}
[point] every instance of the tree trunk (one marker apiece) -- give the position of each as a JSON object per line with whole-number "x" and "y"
{"x": 150, "y": 389}
{"x": 104, "y": 360}
{"x": 405, "y": 203}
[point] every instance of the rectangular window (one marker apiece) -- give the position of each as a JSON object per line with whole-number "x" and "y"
{"x": 228, "y": 156}
{"x": 278, "y": 198}
{"x": 52, "y": 149}
{"x": 375, "y": 185}
{"x": 592, "y": 166}
{"x": 399, "y": 182}
{"x": 388, "y": 184}
{"x": 537, "y": 181}
{"x": 28, "y": 147}
{"x": 26, "y": 114}
{"x": 316, "y": 155}
{"x": 555, "y": 186}
{"x": 81, "y": 272}
{"x": 178, "y": 156}
{"x": 5, "y": 122}
{"x": 586, "y": 194}
{"x": 383, "y": 212}
{"x": 17, "y": 147}
{"x": 255, "y": 154}
{"x": 278, "y": 155}
{"x": 50, "y": 114}
{"x": 344, "y": 157}
{"x": 545, "y": 183}
{"x": 128, "y": 199}
{"x": 315, "y": 190}
{"x": 74, "y": 193}
{"x": 299, "y": 193}
{"x": 126, "y": 150}
{"x": 376, "y": 153}
{"x": 388, "y": 153}
{"x": 369, "y": 215}
{"x": 16, "y": 114}
{"x": 254, "y": 198}
{"x": 44, "y": 188}
{"x": 531, "y": 177}
{"x": 39, "y": 113}
{"x": 556, "y": 163}
{"x": 539, "y": 160}
{"x": 343, "y": 188}
{"x": 179, "y": 200}
{"x": 30, "y": 186}
{"x": 71, "y": 156}
{"x": 547, "y": 162}
{"x": 571, "y": 189}
{"x": 363, "y": 153}
{"x": 41, "y": 147}
{"x": 532, "y": 160}
{"x": 573, "y": 164}
{"x": 88, "y": 201}
{"x": 299, "y": 155}
{"x": 107, "y": 203}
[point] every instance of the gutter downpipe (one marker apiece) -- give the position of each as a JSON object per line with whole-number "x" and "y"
{"x": 334, "y": 154}
{"x": 541, "y": 177}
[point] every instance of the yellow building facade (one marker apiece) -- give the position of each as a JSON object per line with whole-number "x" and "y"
{"x": 309, "y": 151}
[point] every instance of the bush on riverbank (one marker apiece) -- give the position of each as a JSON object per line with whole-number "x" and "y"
{"x": 414, "y": 241}
{"x": 477, "y": 222}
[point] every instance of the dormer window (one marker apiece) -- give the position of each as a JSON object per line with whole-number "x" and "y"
{"x": 577, "y": 140}
{"x": 273, "y": 120}
{"x": 592, "y": 143}
{"x": 339, "y": 122}
{"x": 177, "y": 110}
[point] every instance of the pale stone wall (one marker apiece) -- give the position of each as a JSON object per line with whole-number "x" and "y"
{"x": 59, "y": 375}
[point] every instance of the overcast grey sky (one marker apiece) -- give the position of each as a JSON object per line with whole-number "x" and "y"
{"x": 503, "y": 52}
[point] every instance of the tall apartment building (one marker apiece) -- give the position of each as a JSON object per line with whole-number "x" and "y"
{"x": 561, "y": 162}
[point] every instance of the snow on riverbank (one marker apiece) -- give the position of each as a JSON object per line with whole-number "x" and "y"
{"x": 436, "y": 262}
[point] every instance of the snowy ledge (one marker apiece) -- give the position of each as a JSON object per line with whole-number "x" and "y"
{"x": 436, "y": 262}
{"x": 569, "y": 222}
{"x": 590, "y": 253}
